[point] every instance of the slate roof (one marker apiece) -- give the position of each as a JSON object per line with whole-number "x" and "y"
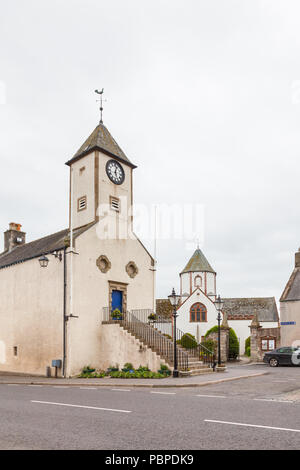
{"x": 292, "y": 289}
{"x": 164, "y": 308}
{"x": 101, "y": 139}
{"x": 244, "y": 308}
{"x": 198, "y": 262}
{"x": 49, "y": 244}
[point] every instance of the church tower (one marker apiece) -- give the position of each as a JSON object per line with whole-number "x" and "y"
{"x": 198, "y": 273}
{"x": 100, "y": 180}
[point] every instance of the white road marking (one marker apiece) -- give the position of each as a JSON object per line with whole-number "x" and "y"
{"x": 12, "y": 385}
{"x": 165, "y": 393}
{"x": 212, "y": 396}
{"x": 79, "y": 406}
{"x": 121, "y": 390}
{"x": 272, "y": 400}
{"x": 60, "y": 386}
{"x": 87, "y": 388}
{"x": 251, "y": 425}
{"x": 34, "y": 385}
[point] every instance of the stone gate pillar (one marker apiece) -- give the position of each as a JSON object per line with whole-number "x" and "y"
{"x": 254, "y": 339}
{"x": 225, "y": 339}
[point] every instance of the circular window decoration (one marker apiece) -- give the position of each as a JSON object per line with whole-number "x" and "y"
{"x": 103, "y": 263}
{"x": 131, "y": 269}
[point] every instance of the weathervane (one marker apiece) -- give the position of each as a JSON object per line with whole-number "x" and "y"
{"x": 101, "y": 107}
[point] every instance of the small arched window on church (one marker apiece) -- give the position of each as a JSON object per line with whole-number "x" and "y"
{"x": 198, "y": 313}
{"x": 198, "y": 281}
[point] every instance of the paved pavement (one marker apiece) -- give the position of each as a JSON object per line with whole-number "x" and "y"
{"x": 232, "y": 373}
{"x": 254, "y": 413}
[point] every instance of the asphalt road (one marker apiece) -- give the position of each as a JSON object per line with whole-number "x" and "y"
{"x": 253, "y": 413}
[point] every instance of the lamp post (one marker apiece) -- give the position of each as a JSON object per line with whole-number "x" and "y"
{"x": 43, "y": 260}
{"x": 219, "y": 306}
{"x": 174, "y": 300}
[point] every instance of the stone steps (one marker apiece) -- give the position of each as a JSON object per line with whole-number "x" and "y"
{"x": 195, "y": 367}
{"x": 189, "y": 373}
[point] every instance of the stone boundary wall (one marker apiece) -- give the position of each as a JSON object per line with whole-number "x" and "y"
{"x": 257, "y": 335}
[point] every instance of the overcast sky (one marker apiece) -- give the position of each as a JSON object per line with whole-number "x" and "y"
{"x": 204, "y": 96}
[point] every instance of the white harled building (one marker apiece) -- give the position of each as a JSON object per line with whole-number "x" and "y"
{"x": 197, "y": 312}
{"x": 93, "y": 266}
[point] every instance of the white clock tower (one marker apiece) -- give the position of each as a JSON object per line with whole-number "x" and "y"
{"x": 100, "y": 180}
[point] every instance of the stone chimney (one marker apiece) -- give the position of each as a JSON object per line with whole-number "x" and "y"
{"x": 13, "y": 237}
{"x": 297, "y": 259}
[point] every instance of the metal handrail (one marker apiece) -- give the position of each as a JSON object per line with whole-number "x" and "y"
{"x": 138, "y": 321}
{"x": 154, "y": 339}
{"x": 199, "y": 352}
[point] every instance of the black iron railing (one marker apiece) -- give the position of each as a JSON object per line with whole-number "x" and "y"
{"x": 196, "y": 351}
{"x": 159, "y": 335}
{"x": 150, "y": 336}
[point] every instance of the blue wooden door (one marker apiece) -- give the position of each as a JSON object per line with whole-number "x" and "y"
{"x": 116, "y": 300}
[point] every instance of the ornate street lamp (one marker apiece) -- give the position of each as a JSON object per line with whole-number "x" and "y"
{"x": 43, "y": 260}
{"x": 174, "y": 300}
{"x": 219, "y": 305}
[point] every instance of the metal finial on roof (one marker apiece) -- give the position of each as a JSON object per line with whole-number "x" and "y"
{"x": 101, "y": 103}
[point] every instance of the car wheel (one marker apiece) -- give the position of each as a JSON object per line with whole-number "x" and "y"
{"x": 273, "y": 362}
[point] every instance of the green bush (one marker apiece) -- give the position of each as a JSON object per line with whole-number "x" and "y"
{"x": 87, "y": 370}
{"x": 247, "y": 342}
{"x": 188, "y": 341}
{"x": 143, "y": 369}
{"x": 164, "y": 369}
{"x": 210, "y": 344}
{"x": 116, "y": 314}
{"x": 136, "y": 375}
{"x": 248, "y": 351}
{"x": 214, "y": 329}
{"x": 234, "y": 346}
{"x": 92, "y": 375}
{"x": 152, "y": 316}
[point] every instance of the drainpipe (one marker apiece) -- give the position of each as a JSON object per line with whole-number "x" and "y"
{"x": 65, "y": 318}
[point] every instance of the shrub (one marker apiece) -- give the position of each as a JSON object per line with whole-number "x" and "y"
{"x": 92, "y": 375}
{"x": 248, "y": 351}
{"x": 113, "y": 368}
{"x": 164, "y": 369}
{"x": 234, "y": 346}
{"x": 152, "y": 316}
{"x": 247, "y": 342}
{"x": 136, "y": 375}
{"x": 188, "y": 341}
{"x": 87, "y": 369}
{"x": 214, "y": 329}
{"x": 210, "y": 344}
{"x": 143, "y": 369}
{"x": 116, "y": 314}
{"x": 128, "y": 366}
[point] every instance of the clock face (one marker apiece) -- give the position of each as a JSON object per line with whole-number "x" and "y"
{"x": 115, "y": 172}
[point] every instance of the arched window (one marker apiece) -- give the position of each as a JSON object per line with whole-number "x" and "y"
{"x": 198, "y": 281}
{"x": 198, "y": 313}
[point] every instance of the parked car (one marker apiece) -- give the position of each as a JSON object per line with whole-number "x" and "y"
{"x": 283, "y": 356}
